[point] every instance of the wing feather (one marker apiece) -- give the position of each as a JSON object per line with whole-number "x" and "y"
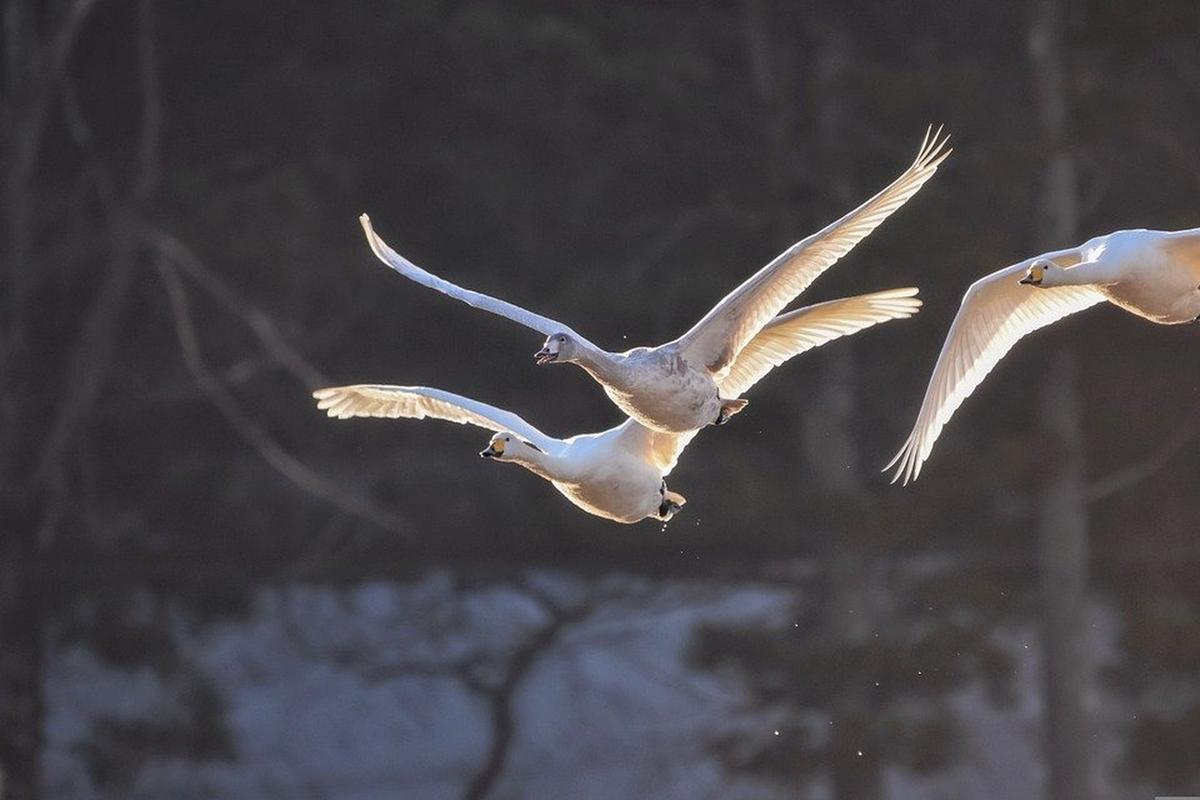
{"x": 419, "y": 402}
{"x": 793, "y": 333}
{"x": 503, "y": 308}
{"x": 717, "y": 339}
{"x": 996, "y": 312}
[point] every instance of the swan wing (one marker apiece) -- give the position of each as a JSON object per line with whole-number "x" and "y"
{"x": 716, "y": 340}
{"x": 995, "y": 313}
{"x": 419, "y": 402}
{"x": 660, "y": 449}
{"x": 503, "y": 308}
{"x": 790, "y": 334}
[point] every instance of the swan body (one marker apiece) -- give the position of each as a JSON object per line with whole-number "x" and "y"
{"x": 1153, "y": 274}
{"x": 620, "y": 474}
{"x": 659, "y": 386}
{"x": 677, "y": 387}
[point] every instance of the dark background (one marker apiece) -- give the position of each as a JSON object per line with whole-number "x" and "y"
{"x": 182, "y": 265}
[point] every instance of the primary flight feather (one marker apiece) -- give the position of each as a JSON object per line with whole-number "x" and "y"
{"x": 1153, "y": 274}
{"x": 619, "y": 474}
{"x": 679, "y": 386}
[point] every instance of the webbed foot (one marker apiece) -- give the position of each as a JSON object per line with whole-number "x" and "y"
{"x": 728, "y": 409}
{"x": 671, "y": 503}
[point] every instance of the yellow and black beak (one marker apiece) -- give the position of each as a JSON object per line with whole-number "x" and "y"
{"x": 494, "y": 449}
{"x": 1034, "y": 276}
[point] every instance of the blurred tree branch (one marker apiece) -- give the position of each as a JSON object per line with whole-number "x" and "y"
{"x": 258, "y": 321}
{"x": 87, "y": 367}
{"x": 35, "y": 68}
{"x": 283, "y": 462}
{"x": 35, "y": 65}
{"x": 1132, "y": 474}
{"x": 496, "y": 676}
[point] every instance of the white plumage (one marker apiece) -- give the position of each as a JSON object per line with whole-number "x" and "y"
{"x": 680, "y": 386}
{"x": 1154, "y": 274}
{"x": 619, "y": 474}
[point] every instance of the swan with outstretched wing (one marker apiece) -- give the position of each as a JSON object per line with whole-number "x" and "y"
{"x": 678, "y": 387}
{"x": 1153, "y": 274}
{"x": 619, "y": 474}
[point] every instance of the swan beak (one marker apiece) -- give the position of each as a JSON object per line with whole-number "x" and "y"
{"x": 489, "y": 452}
{"x": 1027, "y": 281}
{"x": 544, "y": 356}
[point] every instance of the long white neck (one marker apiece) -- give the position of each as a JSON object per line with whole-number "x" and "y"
{"x": 1101, "y": 272}
{"x": 603, "y": 366}
{"x": 544, "y": 465}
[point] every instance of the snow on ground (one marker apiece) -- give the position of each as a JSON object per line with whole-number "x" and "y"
{"x": 360, "y": 693}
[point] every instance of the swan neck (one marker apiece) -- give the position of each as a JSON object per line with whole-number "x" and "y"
{"x": 602, "y": 366}
{"x": 541, "y": 464}
{"x": 1088, "y": 273}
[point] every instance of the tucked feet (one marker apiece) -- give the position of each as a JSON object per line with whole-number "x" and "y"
{"x": 728, "y": 409}
{"x": 671, "y": 502}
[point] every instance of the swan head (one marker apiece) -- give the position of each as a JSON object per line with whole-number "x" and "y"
{"x": 1042, "y": 272}
{"x": 559, "y": 347}
{"x": 506, "y": 446}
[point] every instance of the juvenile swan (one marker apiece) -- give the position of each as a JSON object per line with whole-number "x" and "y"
{"x": 1154, "y": 274}
{"x": 619, "y": 474}
{"x": 676, "y": 387}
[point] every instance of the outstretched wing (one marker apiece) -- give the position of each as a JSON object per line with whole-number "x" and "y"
{"x": 716, "y": 340}
{"x": 387, "y": 255}
{"x": 790, "y": 334}
{"x": 995, "y": 313}
{"x": 419, "y": 402}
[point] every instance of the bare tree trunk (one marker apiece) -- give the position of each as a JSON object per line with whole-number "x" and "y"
{"x": 1062, "y": 521}
{"x": 829, "y": 444}
{"x": 35, "y": 65}
{"x": 21, "y": 661}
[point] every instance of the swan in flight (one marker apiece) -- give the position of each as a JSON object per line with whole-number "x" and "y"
{"x": 1154, "y": 274}
{"x": 619, "y": 474}
{"x": 678, "y": 387}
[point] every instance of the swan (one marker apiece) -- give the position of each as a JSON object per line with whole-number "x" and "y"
{"x": 677, "y": 387}
{"x": 620, "y": 474}
{"x": 1153, "y": 274}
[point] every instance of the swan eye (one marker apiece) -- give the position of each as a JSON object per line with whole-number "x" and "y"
{"x": 562, "y": 338}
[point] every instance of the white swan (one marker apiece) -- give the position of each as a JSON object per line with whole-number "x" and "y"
{"x": 619, "y": 474}
{"x": 1154, "y": 274}
{"x": 676, "y": 387}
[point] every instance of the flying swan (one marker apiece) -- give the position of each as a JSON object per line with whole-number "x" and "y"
{"x": 1154, "y": 274}
{"x": 619, "y": 474}
{"x": 680, "y": 386}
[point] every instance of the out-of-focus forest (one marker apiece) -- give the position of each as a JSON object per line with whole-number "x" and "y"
{"x": 208, "y": 589}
